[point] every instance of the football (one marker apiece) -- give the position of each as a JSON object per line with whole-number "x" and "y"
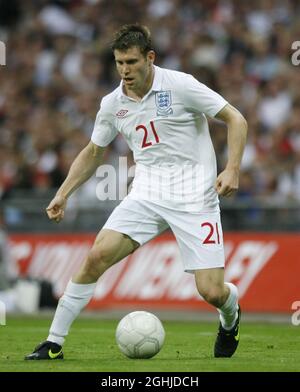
{"x": 140, "y": 334}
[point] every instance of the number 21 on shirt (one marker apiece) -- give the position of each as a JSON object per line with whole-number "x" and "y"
{"x": 148, "y": 139}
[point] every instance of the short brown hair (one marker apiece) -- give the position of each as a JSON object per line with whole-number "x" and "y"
{"x": 133, "y": 35}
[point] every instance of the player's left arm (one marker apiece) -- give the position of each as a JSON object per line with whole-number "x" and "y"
{"x": 228, "y": 180}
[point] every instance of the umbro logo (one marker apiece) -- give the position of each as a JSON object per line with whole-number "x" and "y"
{"x": 121, "y": 113}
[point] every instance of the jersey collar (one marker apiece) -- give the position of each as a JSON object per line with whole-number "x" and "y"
{"x": 156, "y": 85}
{"x": 157, "y": 81}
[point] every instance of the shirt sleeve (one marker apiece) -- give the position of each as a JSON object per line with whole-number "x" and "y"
{"x": 104, "y": 130}
{"x": 201, "y": 99}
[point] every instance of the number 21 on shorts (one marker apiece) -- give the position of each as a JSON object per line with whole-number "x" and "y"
{"x": 212, "y": 233}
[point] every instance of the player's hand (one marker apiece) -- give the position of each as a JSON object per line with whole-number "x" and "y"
{"x": 56, "y": 208}
{"x": 227, "y": 182}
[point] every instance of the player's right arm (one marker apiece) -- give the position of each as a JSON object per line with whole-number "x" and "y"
{"x": 83, "y": 167}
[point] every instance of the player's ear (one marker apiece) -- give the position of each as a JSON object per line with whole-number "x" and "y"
{"x": 151, "y": 56}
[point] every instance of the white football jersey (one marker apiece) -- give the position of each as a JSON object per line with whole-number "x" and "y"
{"x": 169, "y": 136}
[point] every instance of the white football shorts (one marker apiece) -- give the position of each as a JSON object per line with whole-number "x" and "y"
{"x": 199, "y": 235}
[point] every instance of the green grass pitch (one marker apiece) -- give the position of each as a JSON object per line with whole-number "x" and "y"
{"x": 188, "y": 348}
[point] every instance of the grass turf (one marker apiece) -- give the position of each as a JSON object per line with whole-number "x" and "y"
{"x": 188, "y": 348}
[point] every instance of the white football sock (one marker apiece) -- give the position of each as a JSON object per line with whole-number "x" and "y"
{"x": 76, "y": 297}
{"x": 228, "y": 311}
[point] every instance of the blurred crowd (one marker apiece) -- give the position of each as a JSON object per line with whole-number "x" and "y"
{"x": 59, "y": 65}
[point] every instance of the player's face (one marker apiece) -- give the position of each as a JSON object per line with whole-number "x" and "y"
{"x": 134, "y": 68}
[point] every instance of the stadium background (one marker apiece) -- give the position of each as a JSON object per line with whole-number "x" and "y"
{"x": 58, "y": 68}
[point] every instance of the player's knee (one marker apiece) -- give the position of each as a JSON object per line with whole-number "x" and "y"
{"x": 98, "y": 260}
{"x": 212, "y": 295}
